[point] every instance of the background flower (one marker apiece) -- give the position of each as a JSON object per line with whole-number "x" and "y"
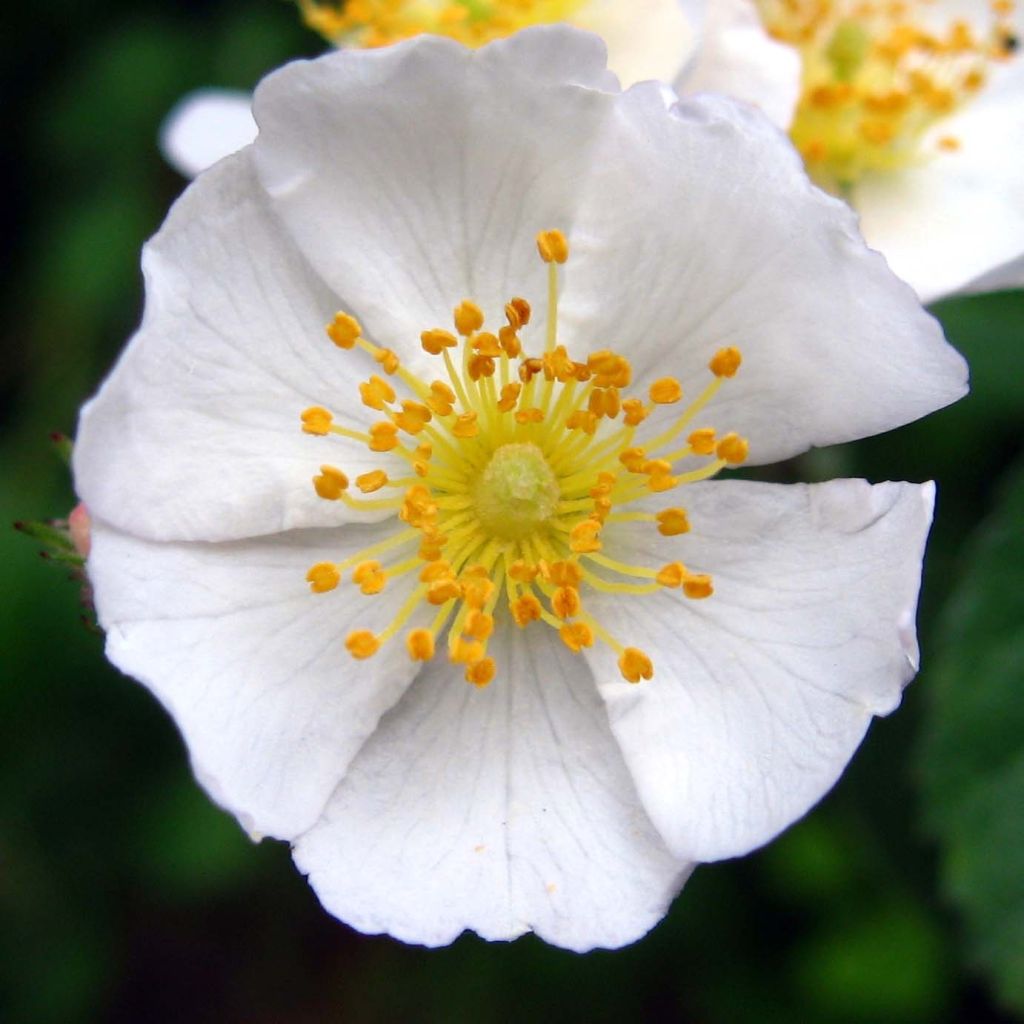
{"x": 675, "y": 41}
{"x": 938, "y": 186}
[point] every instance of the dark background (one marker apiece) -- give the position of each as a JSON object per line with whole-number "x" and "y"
{"x": 125, "y": 896}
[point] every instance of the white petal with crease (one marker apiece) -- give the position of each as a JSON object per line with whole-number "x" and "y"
{"x": 504, "y": 810}
{"x": 252, "y": 666}
{"x": 763, "y": 691}
{"x": 196, "y": 434}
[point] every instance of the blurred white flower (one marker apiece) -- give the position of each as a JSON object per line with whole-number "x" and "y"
{"x": 655, "y": 684}
{"x": 674, "y": 41}
{"x": 913, "y": 111}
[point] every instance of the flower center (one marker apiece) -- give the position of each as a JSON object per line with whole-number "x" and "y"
{"x": 373, "y": 23}
{"x": 512, "y": 467}
{"x": 876, "y": 78}
{"x": 517, "y": 491}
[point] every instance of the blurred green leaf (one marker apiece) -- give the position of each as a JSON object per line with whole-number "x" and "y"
{"x": 973, "y": 755}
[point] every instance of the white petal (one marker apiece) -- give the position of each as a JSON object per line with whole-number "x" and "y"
{"x": 418, "y": 175}
{"x": 955, "y": 222}
{"x": 697, "y": 229}
{"x": 763, "y": 691}
{"x": 504, "y": 810}
{"x": 646, "y": 39}
{"x": 738, "y": 58}
{"x": 205, "y": 126}
{"x": 196, "y": 433}
{"x": 252, "y": 665}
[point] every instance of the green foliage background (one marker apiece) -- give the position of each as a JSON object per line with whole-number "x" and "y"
{"x": 126, "y": 896}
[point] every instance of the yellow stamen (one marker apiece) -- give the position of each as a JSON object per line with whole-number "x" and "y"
{"x": 524, "y": 459}
{"x": 343, "y": 330}
{"x": 361, "y": 643}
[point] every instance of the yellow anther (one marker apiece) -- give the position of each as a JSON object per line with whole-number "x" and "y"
{"x": 698, "y": 586}
{"x": 376, "y": 392}
{"x": 671, "y": 575}
{"x": 605, "y": 402}
{"x": 576, "y": 636}
{"x": 634, "y": 412}
{"x": 665, "y": 391}
{"x": 582, "y": 419}
{"x": 725, "y": 362}
{"x": 369, "y": 577}
{"x": 635, "y": 665}
{"x": 481, "y": 672}
{"x": 584, "y": 537}
{"x": 436, "y": 340}
{"x": 477, "y": 591}
{"x": 322, "y": 577}
{"x": 633, "y": 459}
{"x": 565, "y": 573}
{"x": 466, "y": 425}
{"x": 417, "y": 410}
{"x": 344, "y": 330}
{"x": 658, "y": 483}
{"x": 432, "y": 545}
{"x": 509, "y": 341}
{"x": 609, "y": 369}
{"x": 509, "y": 396}
{"x": 372, "y": 481}
{"x": 529, "y": 368}
{"x": 425, "y": 450}
{"x": 948, "y": 143}
{"x": 436, "y": 571}
{"x": 733, "y": 448}
{"x": 565, "y": 602}
{"x": 553, "y": 246}
{"x": 420, "y": 644}
{"x": 672, "y": 522}
{"x": 316, "y": 420}
{"x": 522, "y": 572}
{"x": 558, "y": 366}
{"x": 466, "y": 651}
{"x": 468, "y": 317}
{"x": 656, "y": 467}
{"x": 481, "y": 366}
{"x": 442, "y": 398}
{"x": 330, "y": 483}
{"x": 517, "y": 311}
{"x": 525, "y": 609}
{"x": 443, "y": 590}
{"x": 522, "y": 307}
{"x": 603, "y": 362}
{"x": 703, "y": 441}
{"x": 388, "y": 360}
{"x": 531, "y": 415}
{"x": 383, "y": 437}
{"x": 479, "y": 625}
{"x": 361, "y": 643}
{"x": 486, "y": 344}
{"x": 421, "y": 468}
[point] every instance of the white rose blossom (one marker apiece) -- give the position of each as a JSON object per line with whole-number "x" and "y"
{"x": 637, "y": 667}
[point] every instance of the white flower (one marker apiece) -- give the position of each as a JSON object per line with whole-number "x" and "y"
{"x": 669, "y": 40}
{"x": 774, "y": 621}
{"x": 914, "y": 112}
